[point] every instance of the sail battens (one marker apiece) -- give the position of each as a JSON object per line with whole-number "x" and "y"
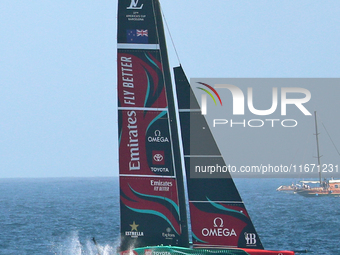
{"x": 136, "y": 46}
{"x": 189, "y": 110}
{"x": 202, "y": 156}
{"x": 229, "y": 202}
{"x": 143, "y": 109}
{"x": 147, "y": 176}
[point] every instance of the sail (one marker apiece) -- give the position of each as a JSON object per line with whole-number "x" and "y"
{"x": 218, "y": 215}
{"x": 152, "y": 211}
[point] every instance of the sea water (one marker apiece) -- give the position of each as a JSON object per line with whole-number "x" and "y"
{"x": 62, "y": 215}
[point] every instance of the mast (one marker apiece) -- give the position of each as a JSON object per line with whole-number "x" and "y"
{"x": 317, "y": 147}
{"x": 184, "y": 241}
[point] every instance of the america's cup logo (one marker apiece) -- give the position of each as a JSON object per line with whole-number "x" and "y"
{"x": 134, "y": 5}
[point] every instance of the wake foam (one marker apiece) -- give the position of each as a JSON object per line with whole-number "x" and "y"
{"x": 73, "y": 246}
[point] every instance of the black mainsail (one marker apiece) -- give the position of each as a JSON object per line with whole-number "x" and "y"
{"x": 152, "y": 212}
{"x": 218, "y": 215}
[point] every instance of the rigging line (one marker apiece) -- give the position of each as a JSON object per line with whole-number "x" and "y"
{"x": 330, "y": 138}
{"x": 187, "y": 214}
{"x": 172, "y": 41}
{"x": 162, "y": 61}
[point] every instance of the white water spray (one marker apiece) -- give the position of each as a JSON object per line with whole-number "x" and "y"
{"x": 73, "y": 246}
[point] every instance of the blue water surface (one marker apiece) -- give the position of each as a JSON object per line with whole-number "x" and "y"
{"x": 61, "y": 215}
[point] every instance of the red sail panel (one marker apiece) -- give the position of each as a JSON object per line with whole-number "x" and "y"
{"x": 145, "y": 145}
{"x": 150, "y": 198}
{"x": 222, "y": 224}
{"x": 140, "y": 80}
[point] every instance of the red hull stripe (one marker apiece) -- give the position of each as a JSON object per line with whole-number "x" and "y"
{"x": 266, "y": 252}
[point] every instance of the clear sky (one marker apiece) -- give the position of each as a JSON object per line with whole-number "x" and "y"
{"x": 58, "y": 69}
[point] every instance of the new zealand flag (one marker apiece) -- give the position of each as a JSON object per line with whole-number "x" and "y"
{"x": 137, "y": 36}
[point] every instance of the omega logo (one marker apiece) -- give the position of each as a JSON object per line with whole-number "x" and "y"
{"x": 218, "y": 229}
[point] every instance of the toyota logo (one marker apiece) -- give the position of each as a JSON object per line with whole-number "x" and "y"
{"x": 158, "y": 157}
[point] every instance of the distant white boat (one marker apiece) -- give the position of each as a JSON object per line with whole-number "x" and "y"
{"x": 318, "y": 188}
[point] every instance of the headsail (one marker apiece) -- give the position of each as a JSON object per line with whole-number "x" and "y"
{"x": 151, "y": 210}
{"x": 218, "y": 215}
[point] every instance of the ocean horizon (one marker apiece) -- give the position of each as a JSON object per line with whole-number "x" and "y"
{"x": 62, "y": 215}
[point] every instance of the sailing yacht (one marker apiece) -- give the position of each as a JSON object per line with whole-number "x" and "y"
{"x": 157, "y": 149}
{"x": 320, "y": 188}
{"x": 324, "y": 187}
